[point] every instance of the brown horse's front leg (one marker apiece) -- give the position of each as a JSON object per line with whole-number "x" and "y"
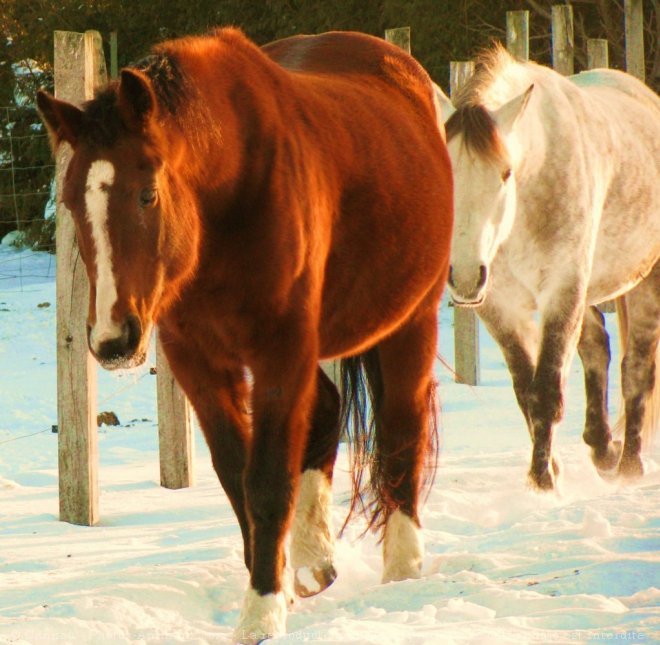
{"x": 282, "y": 401}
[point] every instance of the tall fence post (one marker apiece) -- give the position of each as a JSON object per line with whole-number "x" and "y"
{"x": 466, "y": 323}
{"x": 634, "y": 19}
{"x": 79, "y": 69}
{"x": 79, "y": 66}
{"x": 517, "y": 34}
{"x": 563, "y": 43}
{"x": 597, "y": 53}
{"x": 399, "y": 36}
{"x": 114, "y": 71}
{"x": 175, "y": 428}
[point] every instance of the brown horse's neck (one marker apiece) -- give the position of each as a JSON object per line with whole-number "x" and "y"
{"x": 220, "y": 122}
{"x": 222, "y": 140}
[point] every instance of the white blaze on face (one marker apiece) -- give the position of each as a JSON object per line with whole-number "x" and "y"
{"x": 99, "y": 181}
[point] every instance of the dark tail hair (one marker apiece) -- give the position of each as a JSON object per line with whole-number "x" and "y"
{"x": 362, "y": 397}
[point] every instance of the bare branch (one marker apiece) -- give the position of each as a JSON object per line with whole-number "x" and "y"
{"x": 539, "y": 8}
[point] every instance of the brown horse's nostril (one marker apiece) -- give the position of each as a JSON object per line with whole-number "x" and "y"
{"x": 483, "y": 276}
{"x": 133, "y": 333}
{"x": 124, "y": 346}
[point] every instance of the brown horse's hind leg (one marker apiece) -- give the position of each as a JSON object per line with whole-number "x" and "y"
{"x": 403, "y": 418}
{"x": 594, "y": 351}
{"x": 639, "y": 371}
{"x": 312, "y": 537}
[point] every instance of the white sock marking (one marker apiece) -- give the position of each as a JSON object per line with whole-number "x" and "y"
{"x": 312, "y": 541}
{"x": 403, "y": 548}
{"x": 261, "y": 617}
{"x": 99, "y": 180}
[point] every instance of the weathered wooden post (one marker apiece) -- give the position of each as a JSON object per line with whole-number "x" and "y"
{"x": 79, "y": 68}
{"x": 597, "y": 53}
{"x": 399, "y": 36}
{"x": 563, "y": 43}
{"x": 634, "y": 19}
{"x": 176, "y": 441}
{"x": 517, "y": 34}
{"x": 466, "y": 323}
{"x": 114, "y": 71}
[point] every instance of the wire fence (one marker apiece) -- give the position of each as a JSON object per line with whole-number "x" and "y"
{"x": 27, "y": 203}
{"x": 20, "y": 269}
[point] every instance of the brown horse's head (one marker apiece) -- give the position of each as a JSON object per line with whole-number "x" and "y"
{"x": 134, "y": 220}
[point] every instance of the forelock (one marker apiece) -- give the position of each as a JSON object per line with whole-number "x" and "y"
{"x": 479, "y": 131}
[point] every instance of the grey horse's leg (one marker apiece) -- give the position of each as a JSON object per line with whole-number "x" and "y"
{"x": 594, "y": 351}
{"x": 641, "y": 392}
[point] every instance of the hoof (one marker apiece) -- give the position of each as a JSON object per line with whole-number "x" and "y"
{"x": 310, "y": 581}
{"x": 631, "y": 468}
{"x": 606, "y": 460}
{"x": 262, "y": 617}
{"x": 542, "y": 481}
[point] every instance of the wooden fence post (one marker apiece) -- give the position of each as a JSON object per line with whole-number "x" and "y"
{"x": 597, "y": 53}
{"x": 114, "y": 71}
{"x": 176, "y": 440}
{"x": 634, "y": 18}
{"x": 563, "y": 43}
{"x": 400, "y": 37}
{"x": 517, "y": 34}
{"x": 466, "y": 323}
{"x": 79, "y": 67}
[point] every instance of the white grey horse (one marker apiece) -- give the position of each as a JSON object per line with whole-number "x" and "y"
{"x": 557, "y": 209}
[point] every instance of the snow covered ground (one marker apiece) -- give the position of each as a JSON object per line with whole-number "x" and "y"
{"x": 503, "y": 564}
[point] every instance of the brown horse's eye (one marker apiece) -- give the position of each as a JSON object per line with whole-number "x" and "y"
{"x": 148, "y": 197}
{"x": 505, "y": 175}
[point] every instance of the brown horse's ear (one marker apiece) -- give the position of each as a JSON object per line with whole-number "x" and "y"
{"x": 63, "y": 120}
{"x": 137, "y": 101}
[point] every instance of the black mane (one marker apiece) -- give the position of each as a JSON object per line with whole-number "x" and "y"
{"x": 102, "y": 121}
{"x": 168, "y": 81}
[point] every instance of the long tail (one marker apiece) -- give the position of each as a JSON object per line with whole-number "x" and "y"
{"x": 362, "y": 397}
{"x": 651, "y": 424}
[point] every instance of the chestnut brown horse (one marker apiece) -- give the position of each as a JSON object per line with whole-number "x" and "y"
{"x": 268, "y": 208}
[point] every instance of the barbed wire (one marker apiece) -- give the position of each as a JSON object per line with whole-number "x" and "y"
{"x": 27, "y": 171}
{"x": 25, "y": 436}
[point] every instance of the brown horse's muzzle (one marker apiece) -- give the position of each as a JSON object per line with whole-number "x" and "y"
{"x": 121, "y": 351}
